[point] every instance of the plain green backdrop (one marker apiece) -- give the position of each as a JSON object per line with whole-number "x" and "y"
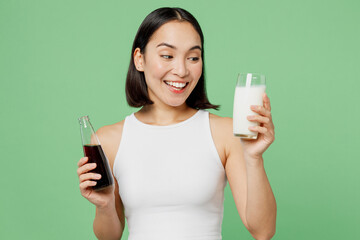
{"x": 60, "y": 60}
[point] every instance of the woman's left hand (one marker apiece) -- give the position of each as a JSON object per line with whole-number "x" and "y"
{"x": 266, "y": 135}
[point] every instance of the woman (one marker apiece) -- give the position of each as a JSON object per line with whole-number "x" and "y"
{"x": 171, "y": 159}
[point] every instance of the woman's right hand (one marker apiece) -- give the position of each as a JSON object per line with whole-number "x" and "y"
{"x": 100, "y": 199}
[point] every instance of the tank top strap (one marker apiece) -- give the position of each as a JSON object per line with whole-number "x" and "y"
{"x": 205, "y": 121}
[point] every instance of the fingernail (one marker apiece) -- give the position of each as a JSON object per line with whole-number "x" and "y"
{"x": 98, "y": 176}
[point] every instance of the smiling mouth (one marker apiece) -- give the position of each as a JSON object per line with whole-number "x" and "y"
{"x": 177, "y": 85}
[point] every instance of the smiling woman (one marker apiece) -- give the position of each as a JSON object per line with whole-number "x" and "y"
{"x": 136, "y": 89}
{"x": 171, "y": 159}
{"x": 171, "y": 63}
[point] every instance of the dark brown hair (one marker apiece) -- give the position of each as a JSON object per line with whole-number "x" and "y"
{"x": 136, "y": 88}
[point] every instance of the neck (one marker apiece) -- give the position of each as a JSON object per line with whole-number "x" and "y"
{"x": 165, "y": 114}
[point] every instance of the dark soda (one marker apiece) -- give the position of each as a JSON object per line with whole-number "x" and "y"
{"x": 96, "y": 155}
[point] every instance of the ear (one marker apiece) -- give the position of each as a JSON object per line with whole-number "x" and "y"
{"x": 138, "y": 60}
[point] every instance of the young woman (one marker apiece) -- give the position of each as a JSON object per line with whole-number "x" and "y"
{"x": 172, "y": 158}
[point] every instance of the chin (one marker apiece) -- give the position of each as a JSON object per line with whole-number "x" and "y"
{"x": 175, "y": 103}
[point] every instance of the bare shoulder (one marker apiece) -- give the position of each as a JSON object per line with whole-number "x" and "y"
{"x": 225, "y": 123}
{"x": 110, "y": 130}
{"x": 222, "y": 126}
{"x": 110, "y": 137}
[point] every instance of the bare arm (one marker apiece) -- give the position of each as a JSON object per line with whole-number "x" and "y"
{"x": 261, "y": 204}
{"x": 109, "y": 219}
{"x": 247, "y": 178}
{"x": 251, "y": 190}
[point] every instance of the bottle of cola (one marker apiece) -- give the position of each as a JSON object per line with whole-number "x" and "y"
{"x": 93, "y": 150}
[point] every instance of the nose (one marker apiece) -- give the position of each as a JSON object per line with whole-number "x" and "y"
{"x": 180, "y": 68}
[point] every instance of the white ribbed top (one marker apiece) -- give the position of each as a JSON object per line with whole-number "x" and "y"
{"x": 171, "y": 180}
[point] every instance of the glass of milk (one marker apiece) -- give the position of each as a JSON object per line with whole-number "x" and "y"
{"x": 249, "y": 90}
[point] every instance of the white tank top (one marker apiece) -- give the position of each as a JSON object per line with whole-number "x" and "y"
{"x": 171, "y": 180}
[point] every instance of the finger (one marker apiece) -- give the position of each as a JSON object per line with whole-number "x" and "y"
{"x": 266, "y": 101}
{"x": 86, "y": 168}
{"x": 258, "y": 129}
{"x": 257, "y": 118}
{"x": 82, "y": 161}
{"x": 260, "y": 110}
{"x": 87, "y": 184}
{"x": 89, "y": 176}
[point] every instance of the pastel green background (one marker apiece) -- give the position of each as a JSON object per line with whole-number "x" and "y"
{"x": 63, "y": 59}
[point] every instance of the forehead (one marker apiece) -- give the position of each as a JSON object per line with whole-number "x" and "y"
{"x": 179, "y": 34}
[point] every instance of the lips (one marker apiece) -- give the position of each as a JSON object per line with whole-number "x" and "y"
{"x": 176, "y": 86}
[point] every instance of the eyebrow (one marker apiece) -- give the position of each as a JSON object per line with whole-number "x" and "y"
{"x": 173, "y": 47}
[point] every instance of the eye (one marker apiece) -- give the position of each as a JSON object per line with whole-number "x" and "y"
{"x": 166, "y": 56}
{"x": 194, "y": 59}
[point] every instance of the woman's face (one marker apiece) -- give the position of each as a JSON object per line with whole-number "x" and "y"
{"x": 172, "y": 63}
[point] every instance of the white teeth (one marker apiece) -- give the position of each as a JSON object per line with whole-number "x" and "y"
{"x": 176, "y": 84}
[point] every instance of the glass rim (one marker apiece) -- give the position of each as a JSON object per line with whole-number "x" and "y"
{"x": 84, "y": 117}
{"x": 246, "y": 73}
{"x": 251, "y": 79}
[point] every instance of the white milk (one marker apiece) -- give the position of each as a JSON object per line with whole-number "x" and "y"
{"x": 244, "y": 97}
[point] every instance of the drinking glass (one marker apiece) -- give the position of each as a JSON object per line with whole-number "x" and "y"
{"x": 249, "y": 90}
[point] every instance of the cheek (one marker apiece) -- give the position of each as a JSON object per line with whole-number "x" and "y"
{"x": 197, "y": 71}
{"x": 158, "y": 69}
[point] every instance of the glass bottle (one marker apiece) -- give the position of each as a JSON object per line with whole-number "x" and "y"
{"x": 93, "y": 150}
